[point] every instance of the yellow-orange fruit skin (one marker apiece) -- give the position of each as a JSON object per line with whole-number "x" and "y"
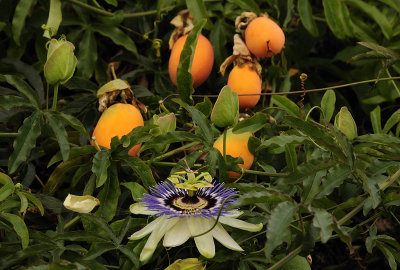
{"x": 245, "y": 80}
{"x": 118, "y": 120}
{"x": 264, "y": 38}
{"x": 202, "y": 64}
{"x": 236, "y": 146}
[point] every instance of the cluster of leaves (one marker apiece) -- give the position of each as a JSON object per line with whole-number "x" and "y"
{"x": 310, "y": 184}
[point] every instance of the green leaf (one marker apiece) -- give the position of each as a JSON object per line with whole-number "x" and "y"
{"x": 291, "y": 157}
{"x": 19, "y": 227}
{"x": 278, "y": 143}
{"x": 344, "y": 236}
{"x": 205, "y": 107}
{"x": 109, "y": 195}
{"x": 200, "y": 119}
{"x": 23, "y": 9}
{"x": 102, "y": 224}
{"x": 328, "y": 104}
{"x": 226, "y": 109}
{"x": 278, "y": 223}
{"x": 80, "y": 172}
{"x": 389, "y": 255}
{"x": 141, "y": 169}
{"x": 247, "y": 5}
{"x": 184, "y": 78}
{"x": 334, "y": 179}
{"x": 311, "y": 184}
{"x": 30, "y": 73}
{"x": 97, "y": 249}
{"x": 130, "y": 254}
{"x": 73, "y": 153}
{"x": 323, "y": 220}
{"x": 285, "y": 103}
{"x": 338, "y": 18}
{"x": 252, "y": 124}
{"x": 171, "y": 137}
{"x": 25, "y": 141}
{"x": 8, "y": 186}
{"x": 370, "y": 186}
{"x": 392, "y": 121}
{"x": 87, "y": 55}
{"x": 54, "y": 19}
{"x": 376, "y": 120}
{"x": 136, "y": 190}
{"x": 23, "y": 202}
{"x": 199, "y": 12}
{"x": 80, "y": 236}
{"x": 374, "y": 13}
{"x": 117, "y": 36}
{"x": 10, "y": 102}
{"x": 23, "y": 88}
{"x": 29, "y": 252}
{"x": 307, "y": 169}
{"x": 61, "y": 135}
{"x": 305, "y": 11}
{"x": 319, "y": 134}
{"x": 252, "y": 197}
{"x": 34, "y": 200}
{"x": 64, "y": 171}
{"x": 101, "y": 162}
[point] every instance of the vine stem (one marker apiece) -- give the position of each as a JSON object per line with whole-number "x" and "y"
{"x": 71, "y": 222}
{"x": 171, "y": 164}
{"x": 287, "y": 258}
{"x": 92, "y": 8}
{"x": 8, "y": 134}
{"x": 224, "y": 145}
{"x": 177, "y": 150}
{"x": 311, "y": 90}
{"x": 54, "y": 106}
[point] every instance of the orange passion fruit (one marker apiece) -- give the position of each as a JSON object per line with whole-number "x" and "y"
{"x": 118, "y": 120}
{"x": 203, "y": 60}
{"x": 236, "y": 146}
{"x": 245, "y": 80}
{"x": 264, "y": 38}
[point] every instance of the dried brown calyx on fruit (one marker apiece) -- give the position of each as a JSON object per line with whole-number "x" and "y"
{"x": 117, "y": 91}
{"x": 244, "y": 19}
{"x": 240, "y": 56}
{"x": 183, "y": 23}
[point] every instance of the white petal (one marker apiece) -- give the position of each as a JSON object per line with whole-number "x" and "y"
{"x": 224, "y": 238}
{"x": 204, "y": 243}
{"x": 141, "y": 209}
{"x": 147, "y": 229}
{"x": 240, "y": 224}
{"x": 178, "y": 234}
{"x": 155, "y": 237}
{"x": 81, "y": 204}
{"x": 233, "y": 214}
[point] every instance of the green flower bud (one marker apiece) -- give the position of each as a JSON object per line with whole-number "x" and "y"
{"x": 187, "y": 264}
{"x": 226, "y": 108}
{"x": 61, "y": 61}
{"x": 345, "y": 123}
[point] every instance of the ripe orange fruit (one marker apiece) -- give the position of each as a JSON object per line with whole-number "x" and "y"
{"x": 203, "y": 60}
{"x": 245, "y": 80}
{"x": 118, "y": 120}
{"x": 264, "y": 38}
{"x": 236, "y": 146}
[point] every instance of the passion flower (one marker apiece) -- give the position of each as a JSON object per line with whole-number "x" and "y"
{"x": 182, "y": 215}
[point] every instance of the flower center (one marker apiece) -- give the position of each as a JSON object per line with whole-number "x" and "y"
{"x": 190, "y": 203}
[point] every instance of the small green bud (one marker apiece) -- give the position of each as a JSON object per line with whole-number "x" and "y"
{"x": 61, "y": 61}
{"x": 345, "y": 123}
{"x": 186, "y": 264}
{"x": 166, "y": 123}
{"x": 226, "y": 108}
